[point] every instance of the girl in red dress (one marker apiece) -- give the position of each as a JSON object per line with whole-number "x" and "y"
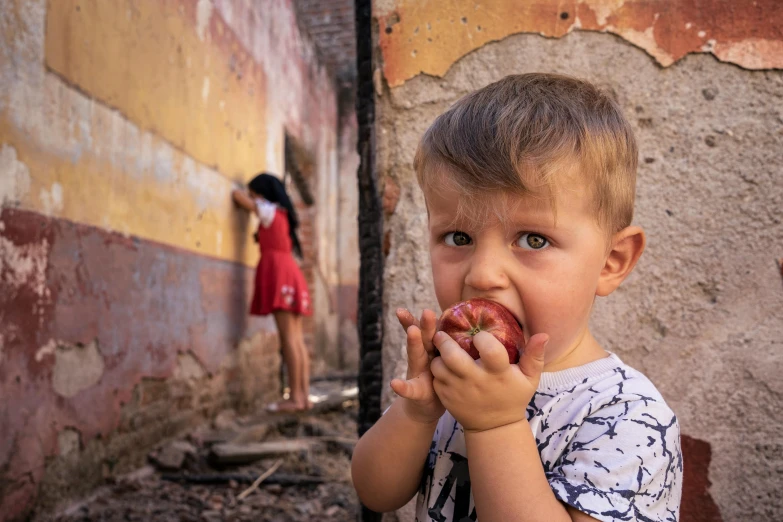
{"x": 280, "y": 288}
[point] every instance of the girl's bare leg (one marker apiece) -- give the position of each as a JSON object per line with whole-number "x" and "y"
{"x": 292, "y": 356}
{"x": 304, "y": 357}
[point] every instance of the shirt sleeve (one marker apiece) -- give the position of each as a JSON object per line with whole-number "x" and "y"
{"x": 266, "y": 212}
{"x": 624, "y": 463}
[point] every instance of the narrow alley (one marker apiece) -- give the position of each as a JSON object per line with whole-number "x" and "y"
{"x": 126, "y": 270}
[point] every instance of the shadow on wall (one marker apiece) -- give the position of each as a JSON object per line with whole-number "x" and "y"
{"x": 238, "y": 300}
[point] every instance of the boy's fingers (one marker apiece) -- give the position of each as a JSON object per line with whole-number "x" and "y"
{"x": 412, "y": 389}
{"x": 494, "y": 357}
{"x": 531, "y": 362}
{"x": 440, "y": 373}
{"x": 406, "y": 318}
{"x": 428, "y": 325}
{"x": 399, "y": 387}
{"x": 452, "y": 355}
{"x": 417, "y": 357}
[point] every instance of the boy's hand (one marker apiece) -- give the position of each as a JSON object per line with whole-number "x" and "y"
{"x": 490, "y": 392}
{"x": 420, "y": 401}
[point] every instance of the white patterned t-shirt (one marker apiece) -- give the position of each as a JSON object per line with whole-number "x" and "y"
{"x": 609, "y": 444}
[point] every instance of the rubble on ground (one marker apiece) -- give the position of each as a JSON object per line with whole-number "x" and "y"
{"x": 281, "y": 468}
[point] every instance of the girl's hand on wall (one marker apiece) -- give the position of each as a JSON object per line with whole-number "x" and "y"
{"x": 242, "y": 200}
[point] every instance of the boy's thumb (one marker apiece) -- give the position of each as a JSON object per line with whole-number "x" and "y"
{"x": 402, "y": 388}
{"x": 531, "y": 362}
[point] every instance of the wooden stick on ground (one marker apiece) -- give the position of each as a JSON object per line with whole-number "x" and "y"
{"x": 228, "y": 453}
{"x": 260, "y": 479}
{"x": 282, "y": 479}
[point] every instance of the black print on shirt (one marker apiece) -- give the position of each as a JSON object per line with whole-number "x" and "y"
{"x": 581, "y": 434}
{"x": 458, "y": 480}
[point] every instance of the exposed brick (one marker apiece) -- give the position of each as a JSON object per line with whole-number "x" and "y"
{"x": 331, "y": 25}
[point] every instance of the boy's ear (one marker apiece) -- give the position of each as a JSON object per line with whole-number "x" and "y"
{"x": 626, "y": 248}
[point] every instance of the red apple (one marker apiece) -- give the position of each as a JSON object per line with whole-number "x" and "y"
{"x": 464, "y": 320}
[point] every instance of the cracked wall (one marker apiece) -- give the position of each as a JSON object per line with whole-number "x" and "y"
{"x": 429, "y": 36}
{"x": 702, "y": 314}
{"x": 125, "y": 270}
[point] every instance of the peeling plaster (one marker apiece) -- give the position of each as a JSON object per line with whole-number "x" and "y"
{"x": 188, "y": 368}
{"x": 52, "y": 199}
{"x": 14, "y": 177}
{"x": 24, "y": 265}
{"x": 752, "y": 53}
{"x": 48, "y": 349}
{"x": 76, "y": 368}
{"x": 603, "y": 9}
{"x": 69, "y": 442}
{"x": 428, "y": 36}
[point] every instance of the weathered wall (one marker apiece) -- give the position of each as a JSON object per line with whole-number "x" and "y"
{"x": 331, "y": 24}
{"x": 125, "y": 270}
{"x": 429, "y": 36}
{"x": 702, "y": 315}
{"x": 347, "y": 241}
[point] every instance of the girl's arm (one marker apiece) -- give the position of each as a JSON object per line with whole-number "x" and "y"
{"x": 242, "y": 199}
{"x": 389, "y": 459}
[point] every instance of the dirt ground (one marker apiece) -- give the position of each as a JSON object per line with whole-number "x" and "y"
{"x": 187, "y": 482}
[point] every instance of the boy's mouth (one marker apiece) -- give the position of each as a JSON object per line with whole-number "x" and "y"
{"x": 516, "y": 318}
{"x": 519, "y": 322}
{"x": 521, "y": 326}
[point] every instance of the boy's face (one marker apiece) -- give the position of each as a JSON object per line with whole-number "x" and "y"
{"x": 545, "y": 273}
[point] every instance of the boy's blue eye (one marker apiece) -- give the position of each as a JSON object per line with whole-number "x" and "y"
{"x": 532, "y": 241}
{"x": 457, "y": 239}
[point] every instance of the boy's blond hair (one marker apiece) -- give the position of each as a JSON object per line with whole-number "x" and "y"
{"x": 526, "y": 134}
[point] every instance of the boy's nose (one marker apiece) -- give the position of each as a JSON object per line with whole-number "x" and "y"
{"x": 487, "y": 272}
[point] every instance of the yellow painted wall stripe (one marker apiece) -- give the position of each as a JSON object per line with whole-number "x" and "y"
{"x": 78, "y": 158}
{"x": 194, "y": 85}
{"x": 188, "y": 206}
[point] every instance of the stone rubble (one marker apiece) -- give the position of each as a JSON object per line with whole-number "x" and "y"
{"x": 167, "y": 490}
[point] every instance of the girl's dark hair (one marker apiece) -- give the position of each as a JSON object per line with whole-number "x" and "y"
{"x": 272, "y": 189}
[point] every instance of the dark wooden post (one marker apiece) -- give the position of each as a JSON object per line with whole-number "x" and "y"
{"x": 370, "y": 313}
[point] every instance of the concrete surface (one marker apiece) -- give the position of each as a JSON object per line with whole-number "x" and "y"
{"x": 702, "y": 315}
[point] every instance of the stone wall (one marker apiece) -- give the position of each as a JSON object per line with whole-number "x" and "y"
{"x": 702, "y": 314}
{"x": 125, "y": 270}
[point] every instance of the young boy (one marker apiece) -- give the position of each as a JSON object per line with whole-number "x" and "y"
{"x": 529, "y": 185}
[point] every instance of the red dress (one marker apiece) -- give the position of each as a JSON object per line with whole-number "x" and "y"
{"x": 280, "y": 284}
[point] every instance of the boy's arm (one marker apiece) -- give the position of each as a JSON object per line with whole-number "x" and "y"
{"x": 508, "y": 480}
{"x": 389, "y": 459}
{"x": 627, "y": 462}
